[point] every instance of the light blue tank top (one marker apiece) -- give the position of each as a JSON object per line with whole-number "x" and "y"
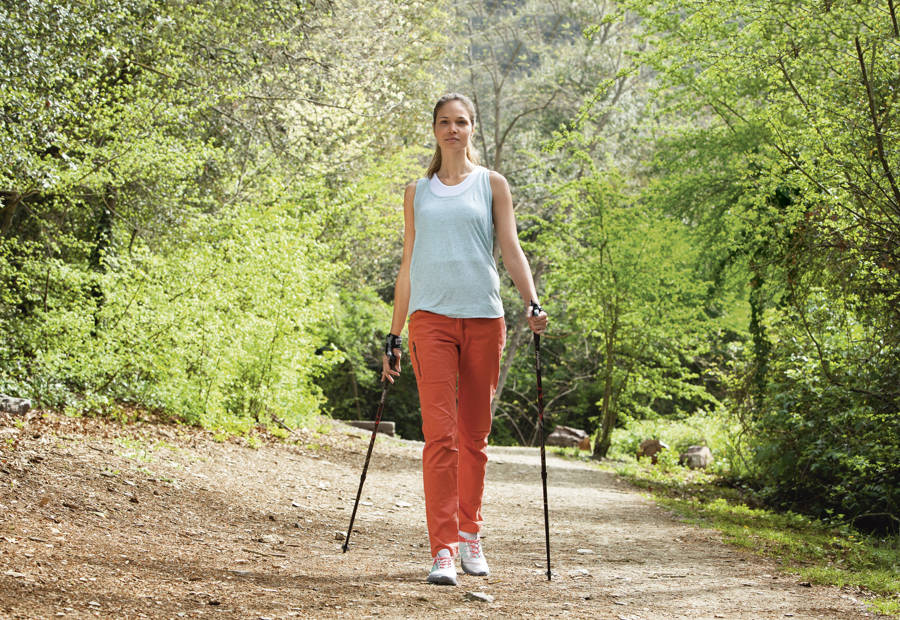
{"x": 452, "y": 270}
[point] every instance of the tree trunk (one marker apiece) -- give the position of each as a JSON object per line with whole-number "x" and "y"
{"x": 519, "y": 336}
{"x": 516, "y": 339}
{"x": 608, "y": 413}
{"x": 10, "y": 203}
{"x": 97, "y": 260}
{"x": 761, "y": 344}
{"x": 355, "y": 387}
{"x": 103, "y": 234}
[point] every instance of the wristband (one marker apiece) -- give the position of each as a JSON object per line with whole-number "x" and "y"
{"x": 392, "y": 342}
{"x": 535, "y": 308}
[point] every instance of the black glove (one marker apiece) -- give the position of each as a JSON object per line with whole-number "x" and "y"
{"x": 392, "y": 342}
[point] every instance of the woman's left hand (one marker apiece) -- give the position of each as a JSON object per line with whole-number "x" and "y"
{"x": 537, "y": 323}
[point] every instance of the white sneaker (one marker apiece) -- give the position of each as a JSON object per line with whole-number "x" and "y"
{"x": 443, "y": 571}
{"x": 472, "y": 556}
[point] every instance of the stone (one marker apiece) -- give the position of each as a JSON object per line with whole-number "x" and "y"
{"x": 15, "y": 406}
{"x": 568, "y": 437}
{"x": 651, "y": 448}
{"x": 339, "y": 536}
{"x": 479, "y": 596}
{"x": 696, "y": 457}
{"x": 580, "y": 572}
{"x": 585, "y": 551}
{"x": 386, "y": 428}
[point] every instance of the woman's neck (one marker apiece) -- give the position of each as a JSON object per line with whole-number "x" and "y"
{"x": 454, "y": 168}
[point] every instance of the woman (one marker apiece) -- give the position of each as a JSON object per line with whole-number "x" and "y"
{"x": 449, "y": 286}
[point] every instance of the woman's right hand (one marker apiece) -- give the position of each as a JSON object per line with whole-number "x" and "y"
{"x": 387, "y": 372}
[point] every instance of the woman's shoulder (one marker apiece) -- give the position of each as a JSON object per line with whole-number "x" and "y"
{"x": 409, "y": 194}
{"x": 497, "y": 180}
{"x": 413, "y": 185}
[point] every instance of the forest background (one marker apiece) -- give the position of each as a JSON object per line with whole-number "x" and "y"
{"x": 201, "y": 217}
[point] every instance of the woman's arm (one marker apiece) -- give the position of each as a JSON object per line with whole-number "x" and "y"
{"x": 513, "y": 256}
{"x": 401, "y": 288}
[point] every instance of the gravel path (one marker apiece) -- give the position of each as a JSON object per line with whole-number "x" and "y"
{"x": 145, "y": 520}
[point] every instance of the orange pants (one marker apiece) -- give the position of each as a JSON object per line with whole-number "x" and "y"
{"x": 457, "y": 365}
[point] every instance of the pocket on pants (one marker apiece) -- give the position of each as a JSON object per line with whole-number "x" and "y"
{"x": 417, "y": 365}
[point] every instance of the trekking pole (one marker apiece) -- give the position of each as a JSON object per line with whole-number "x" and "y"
{"x": 535, "y": 311}
{"x": 387, "y": 384}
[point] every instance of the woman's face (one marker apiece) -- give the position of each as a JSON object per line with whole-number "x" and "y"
{"x": 453, "y": 126}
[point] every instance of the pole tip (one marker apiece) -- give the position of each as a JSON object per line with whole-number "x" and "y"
{"x": 344, "y": 547}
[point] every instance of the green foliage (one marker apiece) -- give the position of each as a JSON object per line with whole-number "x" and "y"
{"x": 366, "y": 234}
{"x": 631, "y": 293}
{"x": 828, "y": 441}
{"x": 200, "y": 214}
{"x": 713, "y": 430}
{"x": 352, "y": 389}
{"x": 170, "y": 335}
{"x": 777, "y": 119}
{"x": 193, "y": 192}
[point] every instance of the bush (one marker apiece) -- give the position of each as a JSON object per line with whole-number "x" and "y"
{"x": 829, "y": 434}
{"x": 714, "y": 430}
{"x": 223, "y": 327}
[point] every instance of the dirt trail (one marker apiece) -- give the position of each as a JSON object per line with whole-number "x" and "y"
{"x": 100, "y": 520}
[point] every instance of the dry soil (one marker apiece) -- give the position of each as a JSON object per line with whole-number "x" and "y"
{"x": 99, "y": 519}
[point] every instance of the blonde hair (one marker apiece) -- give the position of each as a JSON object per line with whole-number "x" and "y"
{"x": 471, "y": 152}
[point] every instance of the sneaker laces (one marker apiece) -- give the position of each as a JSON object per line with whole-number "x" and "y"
{"x": 441, "y": 563}
{"x": 473, "y": 545}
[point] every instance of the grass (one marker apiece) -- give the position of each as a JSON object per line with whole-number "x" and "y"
{"x": 141, "y": 449}
{"x": 819, "y": 552}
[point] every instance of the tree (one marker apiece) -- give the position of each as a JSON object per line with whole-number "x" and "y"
{"x": 176, "y": 181}
{"x": 627, "y": 274}
{"x": 530, "y": 66}
{"x": 798, "y": 101}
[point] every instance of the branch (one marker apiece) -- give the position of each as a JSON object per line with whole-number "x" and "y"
{"x": 823, "y": 360}
{"x": 875, "y": 514}
{"x": 308, "y": 59}
{"x": 893, "y": 18}
{"x": 211, "y": 276}
{"x": 281, "y": 423}
{"x": 515, "y": 426}
{"x": 879, "y": 142}
{"x": 517, "y": 117}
